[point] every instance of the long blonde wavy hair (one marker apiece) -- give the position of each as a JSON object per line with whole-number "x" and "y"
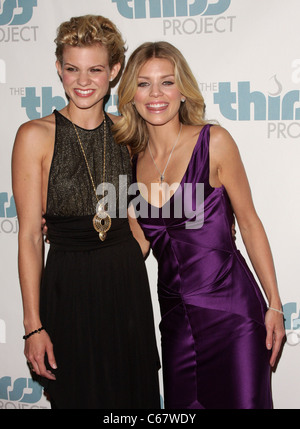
{"x": 88, "y": 30}
{"x": 131, "y": 129}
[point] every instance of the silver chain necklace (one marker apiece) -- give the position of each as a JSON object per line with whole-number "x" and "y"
{"x": 162, "y": 174}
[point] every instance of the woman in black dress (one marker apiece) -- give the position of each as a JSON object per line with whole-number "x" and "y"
{"x": 89, "y": 331}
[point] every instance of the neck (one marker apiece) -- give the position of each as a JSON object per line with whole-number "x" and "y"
{"x": 162, "y": 138}
{"x": 89, "y": 118}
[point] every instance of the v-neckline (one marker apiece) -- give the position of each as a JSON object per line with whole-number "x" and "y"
{"x": 182, "y": 179}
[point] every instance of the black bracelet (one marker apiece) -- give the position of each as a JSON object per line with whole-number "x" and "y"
{"x": 37, "y": 331}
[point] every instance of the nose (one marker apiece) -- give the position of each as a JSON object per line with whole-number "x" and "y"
{"x": 83, "y": 78}
{"x": 155, "y": 90}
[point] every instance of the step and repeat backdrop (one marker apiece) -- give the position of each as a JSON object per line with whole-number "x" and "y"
{"x": 245, "y": 55}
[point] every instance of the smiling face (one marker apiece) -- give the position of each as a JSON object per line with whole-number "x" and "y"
{"x": 157, "y": 98}
{"x": 85, "y": 74}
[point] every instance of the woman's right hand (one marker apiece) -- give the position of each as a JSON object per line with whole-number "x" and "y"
{"x": 35, "y": 349}
{"x": 30, "y": 163}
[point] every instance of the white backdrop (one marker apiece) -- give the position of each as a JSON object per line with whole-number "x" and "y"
{"x": 246, "y": 57}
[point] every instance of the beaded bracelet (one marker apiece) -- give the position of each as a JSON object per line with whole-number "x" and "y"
{"x": 37, "y": 331}
{"x": 275, "y": 309}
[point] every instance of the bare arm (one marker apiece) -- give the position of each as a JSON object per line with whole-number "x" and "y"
{"x": 27, "y": 159}
{"x": 228, "y": 169}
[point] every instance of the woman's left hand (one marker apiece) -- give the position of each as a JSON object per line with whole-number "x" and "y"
{"x": 275, "y": 333}
{"x": 44, "y": 229}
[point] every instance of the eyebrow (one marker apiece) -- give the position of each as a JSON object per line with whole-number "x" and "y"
{"x": 162, "y": 77}
{"x": 73, "y": 65}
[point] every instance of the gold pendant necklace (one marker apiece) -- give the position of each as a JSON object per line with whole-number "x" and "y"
{"x": 101, "y": 220}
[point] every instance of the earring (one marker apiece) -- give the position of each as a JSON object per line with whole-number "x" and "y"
{"x": 182, "y": 100}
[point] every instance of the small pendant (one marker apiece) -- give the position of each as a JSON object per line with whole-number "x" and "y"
{"x": 162, "y": 178}
{"x": 102, "y": 235}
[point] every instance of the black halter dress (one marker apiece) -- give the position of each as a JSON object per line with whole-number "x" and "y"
{"x": 95, "y": 298}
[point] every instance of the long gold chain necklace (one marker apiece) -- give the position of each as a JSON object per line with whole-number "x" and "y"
{"x": 101, "y": 220}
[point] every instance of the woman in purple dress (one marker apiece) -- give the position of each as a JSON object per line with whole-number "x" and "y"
{"x": 219, "y": 338}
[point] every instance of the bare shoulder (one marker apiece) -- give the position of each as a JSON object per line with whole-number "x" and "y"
{"x": 37, "y": 127}
{"x": 219, "y": 134}
{"x": 221, "y": 142}
{"x": 36, "y": 134}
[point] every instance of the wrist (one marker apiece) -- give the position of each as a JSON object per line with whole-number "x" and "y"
{"x": 32, "y": 325}
{"x": 276, "y": 310}
{"x": 275, "y": 301}
{"x": 36, "y": 331}
{"x": 275, "y": 304}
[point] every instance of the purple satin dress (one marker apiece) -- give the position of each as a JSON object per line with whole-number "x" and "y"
{"x": 212, "y": 328}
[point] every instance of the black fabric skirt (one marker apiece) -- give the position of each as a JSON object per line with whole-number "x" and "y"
{"x": 96, "y": 307}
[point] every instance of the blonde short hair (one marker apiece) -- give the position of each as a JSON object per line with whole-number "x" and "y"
{"x": 88, "y": 30}
{"x": 131, "y": 129}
